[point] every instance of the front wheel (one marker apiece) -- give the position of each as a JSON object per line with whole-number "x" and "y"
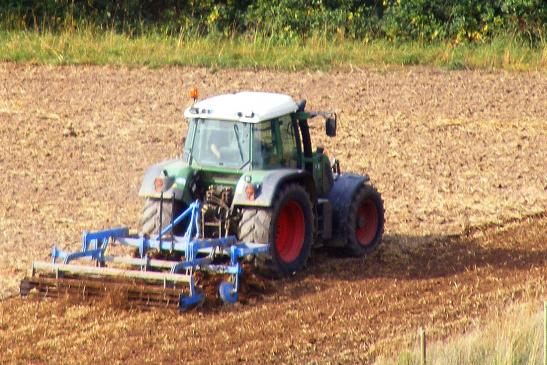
{"x": 365, "y": 224}
{"x": 287, "y": 227}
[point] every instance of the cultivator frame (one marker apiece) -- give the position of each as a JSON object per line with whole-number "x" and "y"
{"x": 138, "y": 277}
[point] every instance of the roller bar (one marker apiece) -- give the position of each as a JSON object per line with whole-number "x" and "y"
{"x": 110, "y": 272}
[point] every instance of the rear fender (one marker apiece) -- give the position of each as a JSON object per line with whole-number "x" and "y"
{"x": 340, "y": 196}
{"x": 175, "y": 175}
{"x": 267, "y": 183}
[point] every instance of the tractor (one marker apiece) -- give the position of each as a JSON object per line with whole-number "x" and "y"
{"x": 248, "y": 187}
{"x": 248, "y": 157}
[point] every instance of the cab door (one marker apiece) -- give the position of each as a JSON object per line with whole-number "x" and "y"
{"x": 290, "y": 142}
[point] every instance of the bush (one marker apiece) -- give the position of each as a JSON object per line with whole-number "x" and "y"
{"x": 460, "y": 20}
{"x": 288, "y": 20}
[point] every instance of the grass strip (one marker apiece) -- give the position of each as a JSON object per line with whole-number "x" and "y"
{"x": 156, "y": 50}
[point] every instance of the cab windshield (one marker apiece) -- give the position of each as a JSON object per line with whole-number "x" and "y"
{"x": 221, "y": 143}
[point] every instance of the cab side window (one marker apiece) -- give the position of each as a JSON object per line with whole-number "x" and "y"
{"x": 288, "y": 139}
{"x": 265, "y": 146}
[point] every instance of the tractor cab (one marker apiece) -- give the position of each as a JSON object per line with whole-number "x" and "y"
{"x": 250, "y": 131}
{"x": 243, "y": 146}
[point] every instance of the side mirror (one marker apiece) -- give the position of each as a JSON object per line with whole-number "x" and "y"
{"x": 330, "y": 126}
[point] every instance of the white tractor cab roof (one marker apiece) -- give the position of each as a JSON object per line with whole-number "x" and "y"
{"x": 248, "y": 106}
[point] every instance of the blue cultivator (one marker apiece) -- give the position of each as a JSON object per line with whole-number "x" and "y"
{"x": 143, "y": 279}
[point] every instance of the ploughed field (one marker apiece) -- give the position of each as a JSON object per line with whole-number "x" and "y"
{"x": 459, "y": 156}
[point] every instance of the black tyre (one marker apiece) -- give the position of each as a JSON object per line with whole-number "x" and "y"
{"x": 150, "y": 221}
{"x": 365, "y": 222}
{"x": 287, "y": 227}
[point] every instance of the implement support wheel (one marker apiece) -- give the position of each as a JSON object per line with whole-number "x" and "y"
{"x": 227, "y": 292}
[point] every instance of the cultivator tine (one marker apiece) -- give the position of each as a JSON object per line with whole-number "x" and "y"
{"x": 161, "y": 216}
{"x": 172, "y": 223}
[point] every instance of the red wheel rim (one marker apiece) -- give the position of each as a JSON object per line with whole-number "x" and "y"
{"x": 366, "y": 223}
{"x": 290, "y": 231}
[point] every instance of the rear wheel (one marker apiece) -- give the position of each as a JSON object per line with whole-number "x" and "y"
{"x": 365, "y": 222}
{"x": 150, "y": 221}
{"x": 287, "y": 227}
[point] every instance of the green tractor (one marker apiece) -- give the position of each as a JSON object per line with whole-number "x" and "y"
{"x": 248, "y": 159}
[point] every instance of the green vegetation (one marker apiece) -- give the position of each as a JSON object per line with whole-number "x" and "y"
{"x": 155, "y": 50}
{"x": 280, "y": 34}
{"x": 514, "y": 339}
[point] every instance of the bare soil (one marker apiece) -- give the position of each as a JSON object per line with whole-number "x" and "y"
{"x": 460, "y": 158}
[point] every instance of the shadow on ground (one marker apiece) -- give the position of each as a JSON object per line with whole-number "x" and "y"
{"x": 513, "y": 246}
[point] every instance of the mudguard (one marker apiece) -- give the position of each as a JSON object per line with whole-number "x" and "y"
{"x": 266, "y": 184}
{"x": 341, "y": 195}
{"x": 175, "y": 174}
